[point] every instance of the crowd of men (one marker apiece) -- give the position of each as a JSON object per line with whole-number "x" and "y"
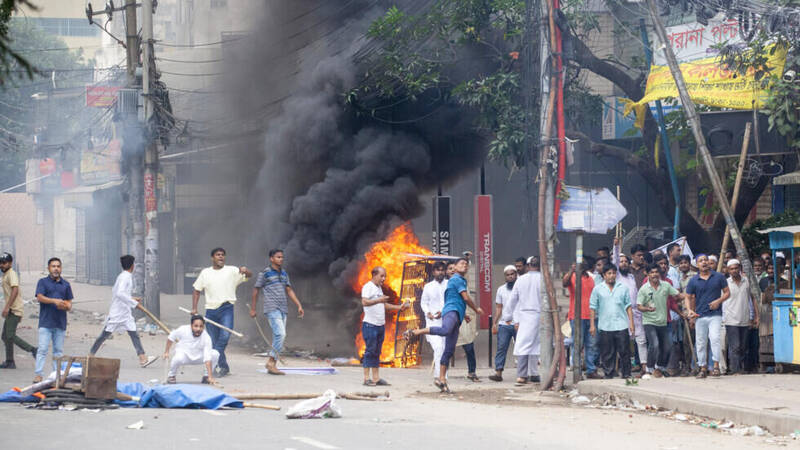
{"x": 655, "y": 314}
{"x": 201, "y": 342}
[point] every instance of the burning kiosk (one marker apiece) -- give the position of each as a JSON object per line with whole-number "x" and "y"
{"x": 408, "y": 267}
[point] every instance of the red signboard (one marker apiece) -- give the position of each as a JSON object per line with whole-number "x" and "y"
{"x": 483, "y": 255}
{"x": 101, "y": 96}
{"x": 150, "y": 203}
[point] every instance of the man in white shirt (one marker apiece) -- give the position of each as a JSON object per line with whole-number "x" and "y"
{"x": 192, "y": 347}
{"x": 372, "y": 327}
{"x": 219, "y": 283}
{"x": 120, "y": 314}
{"x": 736, "y": 313}
{"x": 432, "y": 302}
{"x": 503, "y": 326}
{"x": 524, "y": 301}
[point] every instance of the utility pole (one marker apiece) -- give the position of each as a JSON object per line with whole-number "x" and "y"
{"x": 135, "y": 161}
{"x": 702, "y": 148}
{"x": 151, "y": 259}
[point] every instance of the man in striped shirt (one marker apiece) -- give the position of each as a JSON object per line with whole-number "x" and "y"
{"x": 274, "y": 284}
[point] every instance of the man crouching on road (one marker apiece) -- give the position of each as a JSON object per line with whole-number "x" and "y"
{"x": 192, "y": 347}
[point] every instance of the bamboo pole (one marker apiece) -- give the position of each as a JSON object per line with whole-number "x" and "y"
{"x": 736, "y": 186}
{"x": 154, "y": 318}
{"x": 305, "y": 396}
{"x": 217, "y": 324}
{"x": 260, "y": 406}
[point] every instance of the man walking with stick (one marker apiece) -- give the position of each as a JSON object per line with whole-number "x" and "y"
{"x": 219, "y": 283}
{"x": 120, "y": 315}
{"x": 277, "y": 289}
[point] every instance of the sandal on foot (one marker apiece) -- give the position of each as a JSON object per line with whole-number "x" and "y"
{"x": 382, "y": 382}
{"x": 715, "y": 373}
{"x": 521, "y": 382}
{"x": 446, "y": 389}
{"x": 473, "y": 377}
{"x": 369, "y": 383}
{"x": 439, "y": 385}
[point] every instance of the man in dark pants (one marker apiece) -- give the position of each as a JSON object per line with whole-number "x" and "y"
{"x": 503, "y": 325}
{"x": 610, "y": 306}
{"x": 652, "y": 302}
{"x": 12, "y": 312}
{"x": 456, "y": 300}
{"x": 218, "y": 283}
{"x": 736, "y": 316}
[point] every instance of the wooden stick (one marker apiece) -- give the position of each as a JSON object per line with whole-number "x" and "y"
{"x": 154, "y": 319}
{"x": 266, "y": 340}
{"x": 619, "y": 225}
{"x": 217, "y": 324}
{"x": 739, "y": 170}
{"x": 267, "y": 396}
{"x": 302, "y": 396}
{"x": 259, "y": 406}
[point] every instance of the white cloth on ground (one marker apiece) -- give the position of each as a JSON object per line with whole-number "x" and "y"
{"x": 195, "y": 347}
{"x": 525, "y": 302}
{"x": 181, "y": 358}
{"x": 120, "y": 315}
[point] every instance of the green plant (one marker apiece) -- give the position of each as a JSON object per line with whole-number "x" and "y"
{"x": 758, "y": 243}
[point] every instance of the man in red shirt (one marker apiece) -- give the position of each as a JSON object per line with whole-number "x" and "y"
{"x": 589, "y": 341}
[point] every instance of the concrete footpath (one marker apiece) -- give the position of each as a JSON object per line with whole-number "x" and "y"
{"x": 769, "y": 401}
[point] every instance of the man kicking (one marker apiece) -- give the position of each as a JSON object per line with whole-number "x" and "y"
{"x": 192, "y": 347}
{"x": 456, "y": 300}
{"x": 120, "y": 315}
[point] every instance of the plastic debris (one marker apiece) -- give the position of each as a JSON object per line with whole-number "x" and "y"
{"x": 136, "y": 425}
{"x": 581, "y": 400}
{"x": 681, "y": 417}
{"x": 319, "y": 407}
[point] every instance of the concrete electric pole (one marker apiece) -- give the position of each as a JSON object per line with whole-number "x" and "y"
{"x": 151, "y": 260}
{"x": 133, "y": 143}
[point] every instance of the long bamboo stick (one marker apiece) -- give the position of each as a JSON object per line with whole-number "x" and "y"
{"x": 154, "y": 319}
{"x": 736, "y": 186}
{"x": 304, "y": 396}
{"x": 229, "y": 330}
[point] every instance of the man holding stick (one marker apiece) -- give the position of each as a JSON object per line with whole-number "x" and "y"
{"x": 275, "y": 286}
{"x": 219, "y": 283}
{"x": 192, "y": 347}
{"x": 120, "y": 315}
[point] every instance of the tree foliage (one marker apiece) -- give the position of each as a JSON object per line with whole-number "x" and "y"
{"x": 758, "y": 243}
{"x": 467, "y": 51}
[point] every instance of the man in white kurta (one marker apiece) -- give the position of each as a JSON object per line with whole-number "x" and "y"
{"x": 120, "y": 314}
{"x": 525, "y": 302}
{"x": 432, "y": 302}
{"x": 192, "y": 347}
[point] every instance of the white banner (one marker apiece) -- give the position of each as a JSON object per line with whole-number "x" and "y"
{"x": 692, "y": 41}
{"x": 685, "y": 249}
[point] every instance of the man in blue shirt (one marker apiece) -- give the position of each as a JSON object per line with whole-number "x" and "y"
{"x": 54, "y": 295}
{"x": 610, "y": 305}
{"x": 707, "y": 291}
{"x": 456, "y": 300}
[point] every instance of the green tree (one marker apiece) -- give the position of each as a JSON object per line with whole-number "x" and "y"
{"x": 21, "y": 115}
{"x": 470, "y": 50}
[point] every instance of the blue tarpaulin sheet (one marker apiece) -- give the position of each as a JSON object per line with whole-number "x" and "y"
{"x": 187, "y": 396}
{"x": 163, "y": 396}
{"x": 16, "y": 397}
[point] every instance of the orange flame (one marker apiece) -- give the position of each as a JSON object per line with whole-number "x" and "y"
{"x": 390, "y": 254}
